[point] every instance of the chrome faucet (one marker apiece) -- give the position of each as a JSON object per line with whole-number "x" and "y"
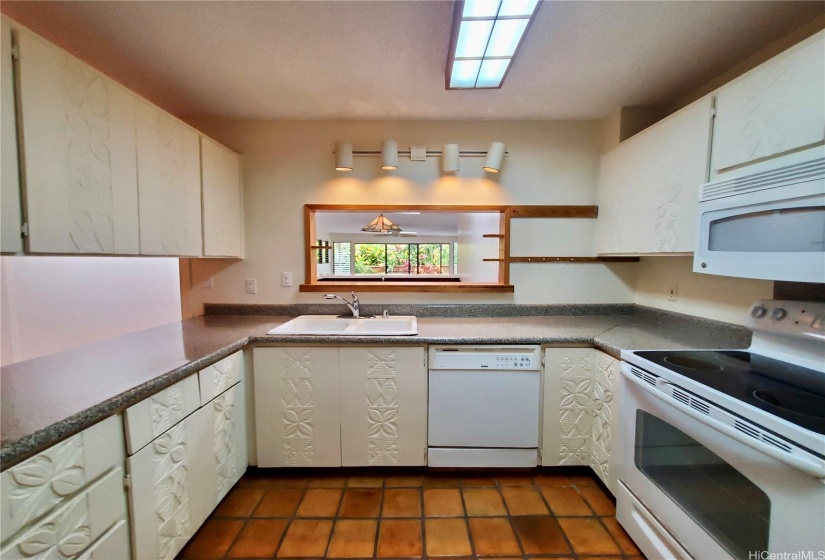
{"x": 355, "y": 306}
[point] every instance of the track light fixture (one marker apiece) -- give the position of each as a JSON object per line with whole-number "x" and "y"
{"x": 450, "y": 156}
{"x": 494, "y": 157}
{"x": 389, "y": 154}
{"x": 343, "y": 156}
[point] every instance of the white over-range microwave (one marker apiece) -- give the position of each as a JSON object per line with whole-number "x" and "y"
{"x": 768, "y": 223}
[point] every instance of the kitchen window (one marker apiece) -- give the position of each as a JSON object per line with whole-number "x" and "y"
{"x": 398, "y": 258}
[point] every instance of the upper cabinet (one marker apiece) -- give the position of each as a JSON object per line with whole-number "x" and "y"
{"x": 11, "y": 240}
{"x": 79, "y": 165}
{"x": 773, "y": 109}
{"x": 647, "y": 186}
{"x": 222, "y": 223}
{"x": 102, "y": 171}
{"x": 168, "y": 156}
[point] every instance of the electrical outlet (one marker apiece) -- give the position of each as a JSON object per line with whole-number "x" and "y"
{"x": 251, "y": 286}
{"x": 286, "y": 279}
{"x": 673, "y": 292}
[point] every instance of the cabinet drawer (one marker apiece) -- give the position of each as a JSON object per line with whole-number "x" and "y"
{"x": 76, "y": 525}
{"x": 220, "y": 376}
{"x": 151, "y": 417}
{"x": 114, "y": 544}
{"x": 40, "y": 484}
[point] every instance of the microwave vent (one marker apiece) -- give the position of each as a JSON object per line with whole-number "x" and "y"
{"x": 788, "y": 175}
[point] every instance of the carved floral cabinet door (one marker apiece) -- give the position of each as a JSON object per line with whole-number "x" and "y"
{"x": 79, "y": 154}
{"x": 170, "y": 480}
{"x": 168, "y": 160}
{"x": 775, "y": 108}
{"x": 68, "y": 501}
{"x": 297, "y": 410}
{"x": 222, "y": 227}
{"x": 383, "y": 406}
{"x": 579, "y": 405}
{"x": 226, "y": 443}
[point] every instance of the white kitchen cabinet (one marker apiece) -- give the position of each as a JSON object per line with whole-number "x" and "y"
{"x": 775, "y": 108}
{"x": 648, "y": 186}
{"x": 351, "y": 406}
{"x": 168, "y": 162}
{"x": 228, "y": 422}
{"x": 170, "y": 493}
{"x": 297, "y": 407}
{"x": 383, "y": 406}
{"x": 58, "y": 503}
{"x": 220, "y": 376}
{"x": 222, "y": 205}
{"x": 151, "y": 417}
{"x": 11, "y": 240}
{"x": 78, "y": 142}
{"x": 579, "y": 406}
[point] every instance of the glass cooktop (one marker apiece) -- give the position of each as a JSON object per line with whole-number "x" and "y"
{"x": 791, "y": 392}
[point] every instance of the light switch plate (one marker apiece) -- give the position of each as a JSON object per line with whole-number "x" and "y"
{"x": 418, "y": 153}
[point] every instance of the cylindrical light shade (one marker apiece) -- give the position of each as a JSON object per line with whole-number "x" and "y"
{"x": 343, "y": 156}
{"x": 449, "y": 158}
{"x": 389, "y": 154}
{"x": 494, "y": 157}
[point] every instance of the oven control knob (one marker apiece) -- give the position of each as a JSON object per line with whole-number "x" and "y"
{"x": 759, "y": 311}
{"x": 779, "y": 314}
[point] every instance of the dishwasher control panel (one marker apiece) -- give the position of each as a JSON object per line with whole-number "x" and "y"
{"x": 485, "y": 357}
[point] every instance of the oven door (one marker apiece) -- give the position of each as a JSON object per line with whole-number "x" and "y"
{"x": 687, "y": 483}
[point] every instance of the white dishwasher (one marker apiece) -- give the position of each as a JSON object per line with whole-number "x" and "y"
{"x": 484, "y": 406}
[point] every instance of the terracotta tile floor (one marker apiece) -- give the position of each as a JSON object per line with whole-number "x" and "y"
{"x": 558, "y": 513}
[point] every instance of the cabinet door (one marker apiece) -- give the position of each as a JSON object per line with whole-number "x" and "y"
{"x": 10, "y": 219}
{"x": 616, "y": 226}
{"x": 228, "y": 438}
{"x": 168, "y": 158}
{"x": 45, "y": 482}
{"x": 74, "y": 529}
{"x": 383, "y": 406}
{"x": 78, "y": 153}
{"x": 169, "y": 496}
{"x": 605, "y": 420}
{"x": 774, "y": 108}
{"x": 297, "y": 407}
{"x": 568, "y": 406}
{"x": 222, "y": 207}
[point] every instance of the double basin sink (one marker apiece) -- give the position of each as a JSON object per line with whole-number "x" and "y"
{"x": 400, "y": 325}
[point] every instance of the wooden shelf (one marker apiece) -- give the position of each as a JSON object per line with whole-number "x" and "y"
{"x": 493, "y": 235}
{"x": 572, "y": 259}
{"x": 325, "y": 247}
{"x": 492, "y": 260}
{"x": 554, "y": 211}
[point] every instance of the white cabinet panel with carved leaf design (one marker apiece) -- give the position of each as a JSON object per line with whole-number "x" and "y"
{"x": 579, "y": 408}
{"x": 773, "y": 109}
{"x": 170, "y": 481}
{"x": 383, "y": 406}
{"x": 57, "y": 503}
{"x": 222, "y": 224}
{"x": 168, "y": 160}
{"x": 228, "y": 443}
{"x": 297, "y": 407}
{"x": 220, "y": 376}
{"x": 648, "y": 186}
{"x": 79, "y": 154}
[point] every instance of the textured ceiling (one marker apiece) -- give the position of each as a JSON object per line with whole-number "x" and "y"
{"x": 385, "y": 59}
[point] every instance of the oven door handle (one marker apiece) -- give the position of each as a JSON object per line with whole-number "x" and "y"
{"x": 810, "y": 467}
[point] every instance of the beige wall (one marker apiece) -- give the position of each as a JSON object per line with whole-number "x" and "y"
{"x": 705, "y": 295}
{"x": 287, "y": 164}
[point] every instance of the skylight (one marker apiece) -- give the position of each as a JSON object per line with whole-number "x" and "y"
{"x": 486, "y": 36}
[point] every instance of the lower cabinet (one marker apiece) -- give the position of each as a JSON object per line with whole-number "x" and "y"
{"x": 179, "y": 477}
{"x": 580, "y": 400}
{"x": 68, "y": 501}
{"x": 350, "y": 406}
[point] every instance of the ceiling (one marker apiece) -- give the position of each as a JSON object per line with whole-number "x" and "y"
{"x": 386, "y": 59}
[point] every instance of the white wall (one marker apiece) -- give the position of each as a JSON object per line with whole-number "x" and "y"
{"x": 49, "y": 304}
{"x": 705, "y": 295}
{"x": 473, "y": 248}
{"x": 287, "y": 164}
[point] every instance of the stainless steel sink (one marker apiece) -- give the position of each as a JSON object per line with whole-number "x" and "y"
{"x": 400, "y": 325}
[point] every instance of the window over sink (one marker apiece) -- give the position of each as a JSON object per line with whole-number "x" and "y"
{"x": 412, "y": 248}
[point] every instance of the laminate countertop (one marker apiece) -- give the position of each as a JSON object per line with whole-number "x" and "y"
{"x": 47, "y": 399}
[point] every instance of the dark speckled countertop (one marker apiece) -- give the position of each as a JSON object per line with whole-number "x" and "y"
{"x": 48, "y": 399}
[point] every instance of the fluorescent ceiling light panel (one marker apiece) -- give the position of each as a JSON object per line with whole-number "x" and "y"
{"x": 486, "y": 36}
